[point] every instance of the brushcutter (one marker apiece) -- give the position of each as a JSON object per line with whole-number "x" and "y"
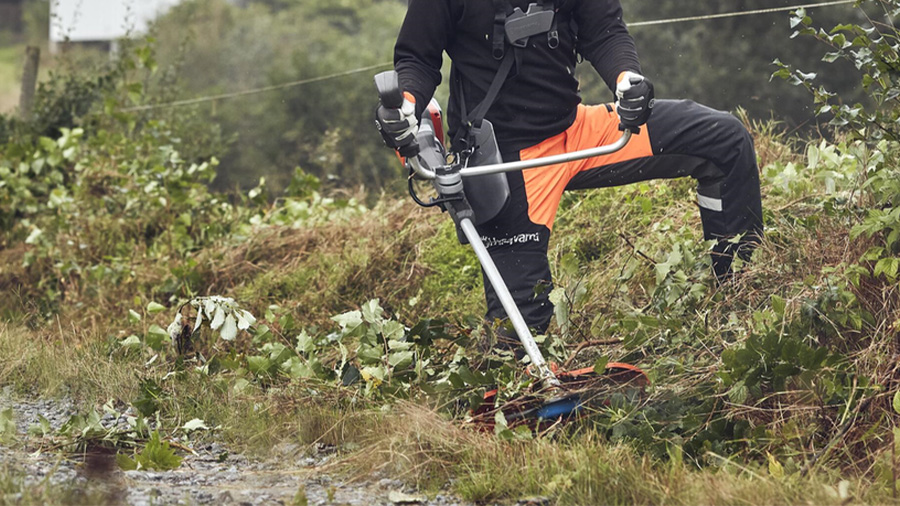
{"x": 476, "y": 202}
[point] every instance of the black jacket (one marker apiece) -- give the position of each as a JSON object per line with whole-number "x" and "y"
{"x": 539, "y": 99}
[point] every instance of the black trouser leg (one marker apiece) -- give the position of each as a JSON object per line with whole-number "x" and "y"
{"x": 688, "y": 139}
{"x": 519, "y": 249}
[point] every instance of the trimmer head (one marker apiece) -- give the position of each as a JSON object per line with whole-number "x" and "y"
{"x": 580, "y": 390}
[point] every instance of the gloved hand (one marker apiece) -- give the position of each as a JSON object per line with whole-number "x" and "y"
{"x": 635, "y": 100}
{"x": 398, "y": 127}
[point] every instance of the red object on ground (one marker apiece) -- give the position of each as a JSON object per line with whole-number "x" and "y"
{"x": 580, "y": 389}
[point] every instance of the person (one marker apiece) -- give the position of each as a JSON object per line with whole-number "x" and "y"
{"x": 513, "y": 64}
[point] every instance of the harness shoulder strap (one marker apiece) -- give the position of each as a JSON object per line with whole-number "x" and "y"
{"x": 499, "y": 43}
{"x": 502, "y": 9}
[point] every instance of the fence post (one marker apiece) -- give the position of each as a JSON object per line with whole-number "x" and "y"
{"x": 29, "y": 80}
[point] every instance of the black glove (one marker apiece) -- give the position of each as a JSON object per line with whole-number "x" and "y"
{"x": 398, "y": 127}
{"x": 635, "y": 100}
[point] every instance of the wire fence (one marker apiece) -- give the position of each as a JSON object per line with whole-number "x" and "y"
{"x": 388, "y": 64}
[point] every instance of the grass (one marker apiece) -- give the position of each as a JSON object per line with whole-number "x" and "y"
{"x": 413, "y": 442}
{"x": 10, "y": 75}
{"x": 581, "y": 467}
{"x": 607, "y": 250}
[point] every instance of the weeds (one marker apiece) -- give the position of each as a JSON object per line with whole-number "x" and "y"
{"x": 315, "y": 320}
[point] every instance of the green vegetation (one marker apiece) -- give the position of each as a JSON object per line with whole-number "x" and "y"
{"x": 313, "y": 314}
{"x": 10, "y": 65}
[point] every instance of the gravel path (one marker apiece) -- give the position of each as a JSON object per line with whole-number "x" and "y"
{"x": 211, "y": 475}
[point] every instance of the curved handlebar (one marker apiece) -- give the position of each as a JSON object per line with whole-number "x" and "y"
{"x": 497, "y": 168}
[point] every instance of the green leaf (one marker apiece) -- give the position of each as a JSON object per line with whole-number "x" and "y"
{"x": 40, "y": 429}
{"x": 401, "y": 359}
{"x": 157, "y": 455}
{"x": 369, "y": 354}
{"x": 393, "y": 330}
{"x": 195, "y": 424}
{"x": 896, "y": 402}
{"x": 131, "y": 341}
{"x": 296, "y": 368}
{"x": 349, "y": 320}
{"x": 600, "y": 365}
{"x": 125, "y": 462}
{"x": 778, "y": 305}
{"x": 134, "y": 316}
{"x": 394, "y": 345}
{"x": 738, "y": 393}
{"x": 147, "y": 402}
{"x": 305, "y": 343}
{"x": 7, "y": 426}
{"x": 241, "y": 385}
{"x": 158, "y": 331}
{"x": 775, "y": 467}
{"x": 372, "y": 311}
{"x": 374, "y": 375}
{"x": 154, "y": 308}
{"x": 468, "y": 376}
{"x": 259, "y": 365}
{"x": 560, "y": 307}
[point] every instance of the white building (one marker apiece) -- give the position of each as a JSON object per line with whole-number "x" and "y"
{"x": 101, "y": 21}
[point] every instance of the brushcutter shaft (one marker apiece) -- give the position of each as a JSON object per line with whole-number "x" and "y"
{"x": 509, "y": 305}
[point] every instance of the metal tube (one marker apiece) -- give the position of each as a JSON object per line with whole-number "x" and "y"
{"x": 509, "y": 305}
{"x": 548, "y": 160}
{"x": 420, "y": 169}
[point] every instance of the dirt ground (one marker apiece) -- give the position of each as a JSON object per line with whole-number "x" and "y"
{"x": 210, "y": 474}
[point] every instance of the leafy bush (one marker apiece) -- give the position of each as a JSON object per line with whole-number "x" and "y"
{"x": 872, "y": 49}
